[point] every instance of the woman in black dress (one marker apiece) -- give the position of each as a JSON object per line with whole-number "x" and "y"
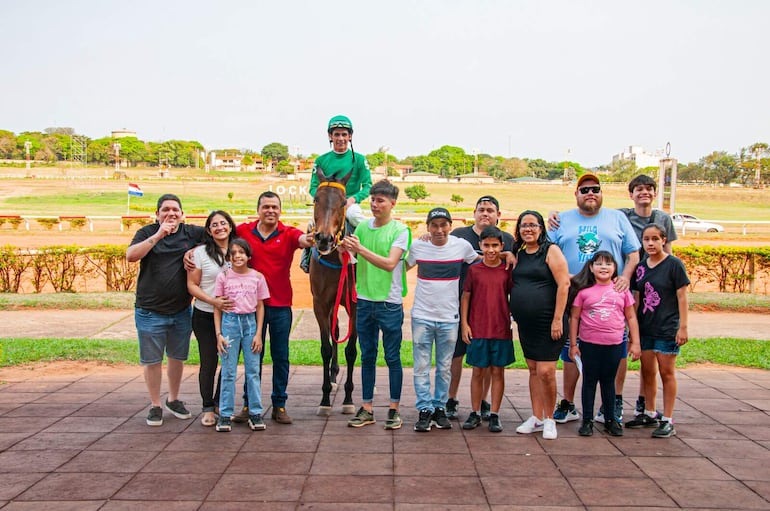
{"x": 538, "y": 301}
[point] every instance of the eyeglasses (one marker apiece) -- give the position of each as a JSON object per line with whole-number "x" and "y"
{"x": 529, "y": 226}
{"x": 593, "y": 189}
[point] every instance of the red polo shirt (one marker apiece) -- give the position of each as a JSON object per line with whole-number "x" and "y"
{"x": 273, "y": 256}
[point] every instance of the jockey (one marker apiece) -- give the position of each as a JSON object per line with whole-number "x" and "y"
{"x": 338, "y": 163}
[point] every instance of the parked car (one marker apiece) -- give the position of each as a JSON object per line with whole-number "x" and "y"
{"x": 691, "y": 223}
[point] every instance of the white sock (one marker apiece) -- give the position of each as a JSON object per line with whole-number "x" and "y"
{"x": 651, "y": 413}
{"x": 667, "y": 419}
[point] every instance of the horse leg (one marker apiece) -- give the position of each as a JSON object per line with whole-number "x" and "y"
{"x": 326, "y": 354}
{"x": 351, "y": 353}
{"x": 334, "y": 368}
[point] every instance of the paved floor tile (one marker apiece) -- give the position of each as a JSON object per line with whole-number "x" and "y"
{"x": 432, "y": 491}
{"x": 133, "y": 441}
{"x": 712, "y": 494}
{"x": 746, "y": 449}
{"x": 436, "y": 464}
{"x": 378, "y": 489}
{"x": 744, "y": 469}
{"x": 57, "y": 441}
{"x": 281, "y": 443}
{"x": 140, "y": 505}
{"x": 35, "y": 410}
{"x": 85, "y": 425}
{"x": 108, "y": 461}
{"x": 55, "y": 505}
{"x": 248, "y": 505}
{"x": 70, "y": 397}
{"x": 359, "y": 441}
{"x": 34, "y": 461}
{"x": 647, "y": 446}
{"x": 516, "y": 465}
{"x": 576, "y": 465}
{"x": 529, "y": 491}
{"x": 265, "y": 488}
{"x": 680, "y": 468}
{"x": 188, "y": 462}
{"x": 206, "y": 442}
{"x": 163, "y": 487}
{"x": 596, "y": 491}
{"x": 489, "y": 443}
{"x": 271, "y": 463}
{"x": 365, "y": 464}
{"x": 77, "y": 486}
{"x": 11, "y": 485}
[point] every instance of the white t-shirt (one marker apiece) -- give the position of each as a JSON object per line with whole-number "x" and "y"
{"x": 437, "y": 295}
{"x": 209, "y": 271}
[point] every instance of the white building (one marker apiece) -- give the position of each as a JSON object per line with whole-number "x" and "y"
{"x": 642, "y": 158}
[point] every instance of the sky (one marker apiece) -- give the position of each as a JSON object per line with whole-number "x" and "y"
{"x": 578, "y": 80}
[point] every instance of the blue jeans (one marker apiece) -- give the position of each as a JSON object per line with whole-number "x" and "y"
{"x": 424, "y": 335}
{"x": 162, "y": 332}
{"x": 371, "y": 319}
{"x": 239, "y": 330}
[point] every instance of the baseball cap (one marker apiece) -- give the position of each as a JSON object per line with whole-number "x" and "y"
{"x": 488, "y": 198}
{"x": 586, "y": 177}
{"x": 438, "y": 213}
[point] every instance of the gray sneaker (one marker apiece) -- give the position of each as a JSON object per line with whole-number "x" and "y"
{"x": 362, "y": 418}
{"x": 155, "y": 417}
{"x": 451, "y": 408}
{"x": 256, "y": 423}
{"x": 665, "y": 430}
{"x": 393, "y": 421}
{"x": 178, "y": 409}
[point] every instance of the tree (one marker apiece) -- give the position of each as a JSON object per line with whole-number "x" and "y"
{"x": 457, "y": 199}
{"x": 284, "y": 168}
{"x": 416, "y": 192}
{"x": 453, "y": 161}
{"x": 760, "y": 151}
{"x": 720, "y": 167}
{"x": 276, "y": 152}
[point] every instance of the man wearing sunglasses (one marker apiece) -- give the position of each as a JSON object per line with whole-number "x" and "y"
{"x": 582, "y": 232}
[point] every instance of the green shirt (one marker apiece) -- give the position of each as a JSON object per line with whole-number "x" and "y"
{"x": 372, "y": 282}
{"x": 338, "y": 165}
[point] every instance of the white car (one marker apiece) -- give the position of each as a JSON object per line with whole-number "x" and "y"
{"x": 691, "y": 223}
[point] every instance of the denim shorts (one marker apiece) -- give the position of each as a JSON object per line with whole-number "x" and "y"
{"x": 663, "y": 346}
{"x": 490, "y": 352}
{"x": 163, "y": 332}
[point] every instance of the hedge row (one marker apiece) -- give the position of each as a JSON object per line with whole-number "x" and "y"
{"x": 72, "y": 268}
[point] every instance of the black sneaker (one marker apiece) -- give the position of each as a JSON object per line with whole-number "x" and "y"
{"x": 224, "y": 425}
{"x": 423, "y": 423}
{"x": 155, "y": 417}
{"x": 256, "y": 423}
{"x": 613, "y": 427}
{"x": 473, "y": 421}
{"x": 587, "y": 428}
{"x": 665, "y": 430}
{"x": 451, "y": 409}
{"x": 440, "y": 420}
{"x": 619, "y": 409}
{"x": 486, "y": 409}
{"x": 642, "y": 421}
{"x": 494, "y": 423}
{"x": 178, "y": 409}
{"x": 640, "y": 404}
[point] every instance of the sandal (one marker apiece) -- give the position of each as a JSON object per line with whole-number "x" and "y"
{"x": 208, "y": 419}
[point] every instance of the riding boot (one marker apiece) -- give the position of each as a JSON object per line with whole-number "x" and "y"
{"x": 304, "y": 261}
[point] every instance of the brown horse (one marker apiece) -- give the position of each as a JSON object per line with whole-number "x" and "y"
{"x": 326, "y": 271}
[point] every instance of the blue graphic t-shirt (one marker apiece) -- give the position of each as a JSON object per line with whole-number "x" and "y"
{"x": 580, "y": 237}
{"x": 658, "y": 309}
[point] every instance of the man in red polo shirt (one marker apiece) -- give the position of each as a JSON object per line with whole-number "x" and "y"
{"x": 272, "y": 247}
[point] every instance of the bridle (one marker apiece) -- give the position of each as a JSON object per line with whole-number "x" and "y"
{"x": 341, "y": 228}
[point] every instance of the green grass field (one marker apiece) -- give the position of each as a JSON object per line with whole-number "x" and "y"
{"x": 723, "y": 351}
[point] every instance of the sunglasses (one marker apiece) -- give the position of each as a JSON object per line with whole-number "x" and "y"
{"x": 593, "y": 189}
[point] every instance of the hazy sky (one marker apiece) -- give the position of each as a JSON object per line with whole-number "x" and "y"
{"x": 528, "y": 79}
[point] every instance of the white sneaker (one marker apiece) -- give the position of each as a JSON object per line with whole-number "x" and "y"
{"x": 530, "y": 425}
{"x": 549, "y": 429}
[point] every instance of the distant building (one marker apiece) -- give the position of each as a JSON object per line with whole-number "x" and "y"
{"x": 228, "y": 161}
{"x": 123, "y": 133}
{"x": 642, "y": 158}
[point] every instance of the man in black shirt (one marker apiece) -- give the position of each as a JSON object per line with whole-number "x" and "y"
{"x": 162, "y": 309}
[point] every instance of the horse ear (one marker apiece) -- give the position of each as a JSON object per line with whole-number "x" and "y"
{"x": 347, "y": 177}
{"x": 319, "y": 172}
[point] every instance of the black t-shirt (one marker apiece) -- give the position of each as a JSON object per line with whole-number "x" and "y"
{"x": 658, "y": 307}
{"x": 162, "y": 283}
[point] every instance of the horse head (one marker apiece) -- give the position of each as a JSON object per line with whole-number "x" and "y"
{"x": 329, "y": 211}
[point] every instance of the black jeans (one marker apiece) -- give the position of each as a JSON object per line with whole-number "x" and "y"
{"x": 203, "y": 326}
{"x": 600, "y": 363}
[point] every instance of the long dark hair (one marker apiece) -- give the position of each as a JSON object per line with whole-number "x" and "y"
{"x": 585, "y": 277}
{"x": 542, "y": 238}
{"x": 212, "y": 249}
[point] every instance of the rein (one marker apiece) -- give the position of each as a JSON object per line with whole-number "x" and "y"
{"x": 345, "y": 256}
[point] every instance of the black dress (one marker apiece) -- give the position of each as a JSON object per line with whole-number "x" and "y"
{"x": 533, "y": 300}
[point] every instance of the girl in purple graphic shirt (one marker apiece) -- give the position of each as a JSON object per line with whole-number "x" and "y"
{"x": 660, "y": 288}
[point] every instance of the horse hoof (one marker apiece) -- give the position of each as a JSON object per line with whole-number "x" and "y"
{"x": 348, "y": 409}
{"x": 324, "y": 410}
{"x": 334, "y": 387}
